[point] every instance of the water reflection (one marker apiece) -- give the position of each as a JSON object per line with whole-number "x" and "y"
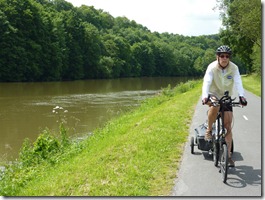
{"x": 26, "y": 108}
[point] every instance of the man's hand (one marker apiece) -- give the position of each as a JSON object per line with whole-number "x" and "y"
{"x": 243, "y": 101}
{"x": 205, "y": 101}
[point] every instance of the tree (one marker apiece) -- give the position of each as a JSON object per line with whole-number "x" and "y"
{"x": 202, "y": 62}
{"x": 242, "y": 21}
{"x": 75, "y": 33}
{"x": 49, "y": 40}
{"x": 164, "y": 58}
{"x": 7, "y": 33}
{"x": 143, "y": 56}
{"x": 24, "y": 18}
{"x": 91, "y": 49}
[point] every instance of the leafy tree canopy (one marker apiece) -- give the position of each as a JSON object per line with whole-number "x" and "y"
{"x": 49, "y": 40}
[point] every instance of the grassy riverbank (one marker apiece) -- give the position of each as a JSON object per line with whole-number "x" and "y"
{"x": 136, "y": 154}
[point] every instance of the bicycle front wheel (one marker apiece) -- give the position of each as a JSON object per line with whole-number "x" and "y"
{"x": 224, "y": 162}
{"x": 215, "y": 153}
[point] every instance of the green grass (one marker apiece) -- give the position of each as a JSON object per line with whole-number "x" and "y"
{"x": 252, "y": 83}
{"x": 136, "y": 154}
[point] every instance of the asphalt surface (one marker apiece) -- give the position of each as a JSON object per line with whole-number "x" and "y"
{"x": 198, "y": 176}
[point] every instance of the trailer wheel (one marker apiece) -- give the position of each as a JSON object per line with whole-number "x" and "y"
{"x": 192, "y": 145}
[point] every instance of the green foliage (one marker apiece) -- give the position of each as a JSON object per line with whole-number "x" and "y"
{"x": 181, "y": 88}
{"x": 185, "y": 87}
{"x": 143, "y": 56}
{"x": 256, "y": 59}
{"x": 45, "y": 40}
{"x": 253, "y": 83}
{"x": 42, "y": 148}
{"x": 46, "y": 148}
{"x": 242, "y": 21}
{"x": 202, "y": 62}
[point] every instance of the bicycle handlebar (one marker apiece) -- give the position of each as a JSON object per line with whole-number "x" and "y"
{"x": 226, "y": 99}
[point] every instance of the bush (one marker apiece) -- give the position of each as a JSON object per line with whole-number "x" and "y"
{"x": 47, "y": 149}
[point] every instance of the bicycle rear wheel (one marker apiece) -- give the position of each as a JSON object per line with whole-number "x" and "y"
{"x": 224, "y": 162}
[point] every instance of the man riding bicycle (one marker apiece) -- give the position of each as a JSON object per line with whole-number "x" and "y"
{"x": 222, "y": 75}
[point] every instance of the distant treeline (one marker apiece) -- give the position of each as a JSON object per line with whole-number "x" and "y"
{"x": 51, "y": 40}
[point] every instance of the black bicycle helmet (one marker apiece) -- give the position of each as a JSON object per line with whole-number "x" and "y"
{"x": 223, "y": 49}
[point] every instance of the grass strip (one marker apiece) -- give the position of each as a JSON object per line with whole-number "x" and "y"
{"x": 252, "y": 83}
{"x": 136, "y": 154}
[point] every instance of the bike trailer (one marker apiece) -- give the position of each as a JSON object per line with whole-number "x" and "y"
{"x": 199, "y": 138}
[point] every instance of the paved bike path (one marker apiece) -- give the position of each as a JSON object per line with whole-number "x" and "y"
{"x": 198, "y": 176}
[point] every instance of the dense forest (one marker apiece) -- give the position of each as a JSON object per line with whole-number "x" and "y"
{"x": 51, "y": 40}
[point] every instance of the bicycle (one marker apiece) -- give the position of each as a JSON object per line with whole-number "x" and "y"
{"x": 219, "y": 146}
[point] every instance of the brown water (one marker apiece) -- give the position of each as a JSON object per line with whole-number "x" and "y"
{"x": 27, "y": 108}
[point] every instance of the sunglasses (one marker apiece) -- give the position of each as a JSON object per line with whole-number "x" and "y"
{"x": 222, "y": 56}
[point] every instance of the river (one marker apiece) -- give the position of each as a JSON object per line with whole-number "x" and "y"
{"x": 27, "y": 108}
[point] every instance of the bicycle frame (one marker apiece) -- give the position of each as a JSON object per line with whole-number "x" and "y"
{"x": 226, "y": 100}
{"x": 219, "y": 123}
{"x": 220, "y": 149}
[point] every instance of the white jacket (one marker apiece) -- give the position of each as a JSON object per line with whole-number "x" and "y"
{"x": 217, "y": 80}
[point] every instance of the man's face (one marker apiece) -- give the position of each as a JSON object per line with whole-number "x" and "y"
{"x": 224, "y": 59}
